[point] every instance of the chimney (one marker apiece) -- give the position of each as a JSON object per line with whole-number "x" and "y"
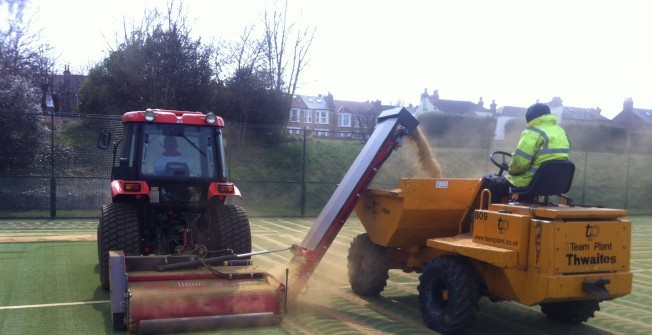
{"x": 492, "y": 107}
{"x": 435, "y": 94}
{"x": 628, "y": 105}
{"x": 424, "y": 95}
{"x": 480, "y": 102}
{"x": 556, "y": 102}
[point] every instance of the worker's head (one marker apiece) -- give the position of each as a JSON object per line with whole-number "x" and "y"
{"x": 536, "y": 110}
{"x": 170, "y": 143}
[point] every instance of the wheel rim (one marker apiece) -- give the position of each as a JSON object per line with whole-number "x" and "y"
{"x": 439, "y": 296}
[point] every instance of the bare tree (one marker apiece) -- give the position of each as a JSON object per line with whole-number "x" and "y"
{"x": 287, "y": 47}
{"x": 22, "y": 54}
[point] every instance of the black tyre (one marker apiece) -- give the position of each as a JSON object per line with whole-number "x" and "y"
{"x": 118, "y": 230}
{"x": 449, "y": 291}
{"x": 368, "y": 266}
{"x": 570, "y": 312}
{"x": 229, "y": 229}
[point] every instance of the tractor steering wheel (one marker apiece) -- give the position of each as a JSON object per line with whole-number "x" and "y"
{"x": 503, "y": 165}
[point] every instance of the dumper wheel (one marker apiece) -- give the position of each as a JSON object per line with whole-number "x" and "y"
{"x": 570, "y": 312}
{"x": 368, "y": 266}
{"x": 449, "y": 291}
{"x": 118, "y": 230}
{"x": 229, "y": 229}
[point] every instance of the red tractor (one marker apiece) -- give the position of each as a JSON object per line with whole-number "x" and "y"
{"x": 170, "y": 189}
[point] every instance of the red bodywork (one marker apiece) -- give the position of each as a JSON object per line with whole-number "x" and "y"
{"x": 146, "y": 300}
{"x": 140, "y": 188}
{"x": 172, "y": 116}
{"x": 184, "y": 298}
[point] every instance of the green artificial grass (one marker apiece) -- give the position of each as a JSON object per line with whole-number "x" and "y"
{"x": 64, "y": 274}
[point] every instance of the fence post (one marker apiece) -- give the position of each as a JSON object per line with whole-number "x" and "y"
{"x": 629, "y": 165}
{"x": 53, "y": 182}
{"x": 303, "y": 176}
{"x": 586, "y": 163}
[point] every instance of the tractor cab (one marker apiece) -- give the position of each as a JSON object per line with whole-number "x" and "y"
{"x": 181, "y": 151}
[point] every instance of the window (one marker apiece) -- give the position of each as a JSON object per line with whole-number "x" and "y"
{"x": 180, "y": 151}
{"x": 307, "y": 116}
{"x": 321, "y": 116}
{"x": 344, "y": 134}
{"x": 294, "y": 131}
{"x": 322, "y": 132}
{"x": 294, "y": 115}
{"x": 344, "y": 120}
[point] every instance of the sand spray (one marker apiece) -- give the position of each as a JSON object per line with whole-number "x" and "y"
{"x": 427, "y": 161}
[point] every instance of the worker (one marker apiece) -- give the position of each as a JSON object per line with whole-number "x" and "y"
{"x": 542, "y": 140}
{"x": 172, "y": 155}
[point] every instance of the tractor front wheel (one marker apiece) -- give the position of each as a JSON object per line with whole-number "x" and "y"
{"x": 570, "y": 312}
{"x": 368, "y": 266}
{"x": 118, "y": 230}
{"x": 449, "y": 291}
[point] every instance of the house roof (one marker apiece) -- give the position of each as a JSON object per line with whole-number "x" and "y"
{"x": 643, "y": 114}
{"x": 297, "y": 102}
{"x": 313, "y": 102}
{"x": 583, "y": 114}
{"x": 456, "y": 106}
{"x": 342, "y": 106}
{"x": 511, "y": 111}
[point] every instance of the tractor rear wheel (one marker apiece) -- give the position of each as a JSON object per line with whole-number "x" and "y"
{"x": 118, "y": 230}
{"x": 570, "y": 312}
{"x": 229, "y": 229}
{"x": 368, "y": 266}
{"x": 449, "y": 291}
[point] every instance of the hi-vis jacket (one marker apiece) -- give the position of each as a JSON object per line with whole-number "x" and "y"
{"x": 542, "y": 140}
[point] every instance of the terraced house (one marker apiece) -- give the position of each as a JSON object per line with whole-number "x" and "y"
{"x": 323, "y": 116}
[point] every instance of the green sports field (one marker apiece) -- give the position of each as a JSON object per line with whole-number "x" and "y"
{"x": 49, "y": 285}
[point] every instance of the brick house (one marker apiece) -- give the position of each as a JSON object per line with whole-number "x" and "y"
{"x": 327, "y": 117}
{"x": 61, "y": 93}
{"x": 633, "y": 119}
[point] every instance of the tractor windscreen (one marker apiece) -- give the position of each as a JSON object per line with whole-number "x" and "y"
{"x": 179, "y": 151}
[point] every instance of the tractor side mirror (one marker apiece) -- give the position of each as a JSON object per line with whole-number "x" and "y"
{"x": 104, "y": 140}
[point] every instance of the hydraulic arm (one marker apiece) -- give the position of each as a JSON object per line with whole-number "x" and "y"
{"x": 392, "y": 125}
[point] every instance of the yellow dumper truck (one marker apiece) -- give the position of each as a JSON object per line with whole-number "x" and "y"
{"x": 564, "y": 257}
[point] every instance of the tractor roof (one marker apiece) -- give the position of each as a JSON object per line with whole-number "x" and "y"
{"x": 172, "y": 116}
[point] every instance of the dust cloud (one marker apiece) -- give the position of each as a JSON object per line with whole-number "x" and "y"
{"x": 427, "y": 161}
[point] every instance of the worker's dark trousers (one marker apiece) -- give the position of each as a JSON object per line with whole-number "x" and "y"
{"x": 498, "y": 185}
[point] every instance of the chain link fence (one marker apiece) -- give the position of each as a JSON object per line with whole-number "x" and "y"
{"x": 51, "y": 168}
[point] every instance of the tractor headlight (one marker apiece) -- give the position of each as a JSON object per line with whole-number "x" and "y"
{"x": 150, "y": 115}
{"x": 211, "y": 118}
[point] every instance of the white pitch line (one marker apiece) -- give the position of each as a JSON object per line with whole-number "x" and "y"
{"x": 57, "y": 305}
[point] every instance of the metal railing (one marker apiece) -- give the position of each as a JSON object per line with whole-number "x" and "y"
{"x": 51, "y": 168}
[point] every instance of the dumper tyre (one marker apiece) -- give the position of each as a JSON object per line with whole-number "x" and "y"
{"x": 118, "y": 230}
{"x": 368, "y": 266}
{"x": 570, "y": 312}
{"x": 229, "y": 229}
{"x": 449, "y": 291}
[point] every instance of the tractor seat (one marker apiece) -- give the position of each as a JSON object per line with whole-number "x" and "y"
{"x": 552, "y": 178}
{"x": 176, "y": 169}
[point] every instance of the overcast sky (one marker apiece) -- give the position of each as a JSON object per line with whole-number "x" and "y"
{"x": 589, "y": 53}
